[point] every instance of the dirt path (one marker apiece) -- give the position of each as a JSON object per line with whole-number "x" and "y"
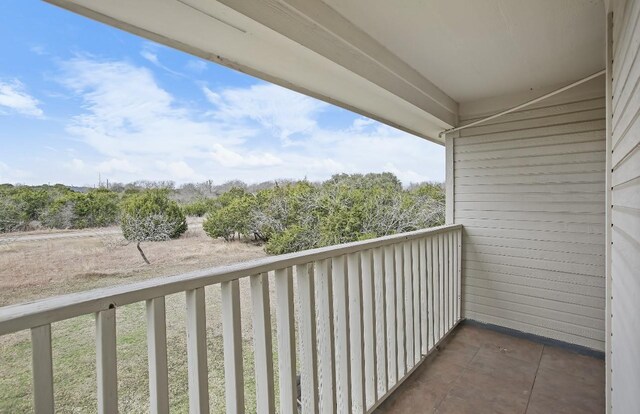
{"x": 40, "y": 265}
{"x": 194, "y": 223}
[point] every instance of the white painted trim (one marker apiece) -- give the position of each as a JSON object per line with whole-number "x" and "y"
{"x": 318, "y": 27}
{"x": 369, "y": 321}
{"x": 198, "y": 378}
{"x": 324, "y": 331}
{"x": 232, "y": 340}
{"x": 305, "y": 276}
{"x": 526, "y": 104}
{"x": 356, "y": 332}
{"x": 246, "y": 45}
{"x": 286, "y": 340}
{"x": 25, "y": 316}
{"x": 608, "y": 210}
{"x": 157, "y": 355}
{"x": 106, "y": 362}
{"x": 263, "y": 355}
{"x": 341, "y": 333}
{"x": 42, "y": 370}
{"x": 450, "y": 177}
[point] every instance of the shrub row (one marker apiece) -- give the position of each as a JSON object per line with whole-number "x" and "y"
{"x": 301, "y": 215}
{"x": 287, "y": 217}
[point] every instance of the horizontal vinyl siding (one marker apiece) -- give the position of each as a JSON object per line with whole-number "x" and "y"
{"x": 625, "y": 215}
{"x": 530, "y": 192}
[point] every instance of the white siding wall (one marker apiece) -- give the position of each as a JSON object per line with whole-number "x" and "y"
{"x": 530, "y": 192}
{"x": 625, "y": 214}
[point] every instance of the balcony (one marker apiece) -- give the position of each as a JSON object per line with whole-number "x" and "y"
{"x": 542, "y": 172}
{"x": 368, "y": 313}
{"x": 478, "y": 370}
{"x": 374, "y": 325}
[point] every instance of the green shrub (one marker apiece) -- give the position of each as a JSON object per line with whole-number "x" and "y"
{"x": 137, "y": 209}
{"x": 12, "y": 217}
{"x": 200, "y": 207}
{"x": 197, "y": 208}
{"x": 292, "y": 239}
{"x": 97, "y": 208}
{"x": 232, "y": 218}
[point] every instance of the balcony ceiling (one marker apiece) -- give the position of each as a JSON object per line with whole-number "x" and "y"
{"x": 480, "y": 49}
{"x": 408, "y": 63}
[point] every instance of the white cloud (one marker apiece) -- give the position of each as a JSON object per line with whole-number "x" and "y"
{"x": 150, "y": 56}
{"x": 283, "y": 112}
{"x": 127, "y": 113}
{"x": 14, "y": 98}
{"x": 149, "y": 53}
{"x": 9, "y": 174}
{"x": 140, "y": 131}
{"x": 76, "y": 165}
{"x": 183, "y": 171}
{"x": 196, "y": 65}
{"x": 117, "y": 165}
{"x": 229, "y": 158}
{"x": 38, "y": 50}
{"x": 359, "y": 124}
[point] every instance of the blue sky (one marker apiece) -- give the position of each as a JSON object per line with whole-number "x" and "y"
{"x": 78, "y": 99}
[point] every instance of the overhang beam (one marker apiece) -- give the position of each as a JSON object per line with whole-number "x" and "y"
{"x": 318, "y": 27}
{"x": 338, "y": 64}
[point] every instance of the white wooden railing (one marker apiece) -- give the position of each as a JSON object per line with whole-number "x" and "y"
{"x": 369, "y": 313}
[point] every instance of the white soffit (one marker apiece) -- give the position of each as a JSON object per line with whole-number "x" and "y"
{"x": 215, "y": 32}
{"x": 476, "y": 49}
{"x": 406, "y": 63}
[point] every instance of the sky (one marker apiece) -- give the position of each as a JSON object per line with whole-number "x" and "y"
{"x": 81, "y": 100}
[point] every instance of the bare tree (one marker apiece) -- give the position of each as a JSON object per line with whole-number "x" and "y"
{"x": 153, "y": 228}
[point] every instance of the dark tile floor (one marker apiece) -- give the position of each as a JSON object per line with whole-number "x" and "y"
{"x": 482, "y": 371}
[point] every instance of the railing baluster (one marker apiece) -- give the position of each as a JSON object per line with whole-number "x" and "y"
{"x": 106, "y": 365}
{"x": 446, "y": 279}
{"x": 459, "y": 273}
{"x": 392, "y": 318}
{"x": 157, "y": 351}
{"x": 452, "y": 279}
{"x": 356, "y": 332}
{"x": 452, "y": 275}
{"x": 369, "y": 329}
{"x": 400, "y": 311}
{"x": 326, "y": 355}
{"x": 265, "y": 398}
{"x": 441, "y": 273}
{"x": 436, "y": 288}
{"x": 381, "y": 320}
{"x": 232, "y": 340}
{"x": 197, "y": 352}
{"x": 42, "y": 369}
{"x": 424, "y": 299}
{"x": 415, "y": 276}
{"x": 286, "y": 341}
{"x": 308, "y": 353}
{"x": 368, "y": 315}
{"x": 408, "y": 305}
{"x": 430, "y": 289}
{"x": 340, "y": 307}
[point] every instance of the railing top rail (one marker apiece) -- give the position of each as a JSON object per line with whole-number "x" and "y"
{"x": 28, "y": 315}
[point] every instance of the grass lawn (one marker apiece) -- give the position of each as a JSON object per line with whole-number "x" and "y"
{"x": 34, "y": 269}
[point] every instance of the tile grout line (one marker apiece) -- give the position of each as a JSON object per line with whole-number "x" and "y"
{"x": 534, "y": 379}
{"x": 466, "y": 368}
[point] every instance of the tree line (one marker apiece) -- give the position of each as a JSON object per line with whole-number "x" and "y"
{"x": 302, "y": 215}
{"x": 286, "y": 216}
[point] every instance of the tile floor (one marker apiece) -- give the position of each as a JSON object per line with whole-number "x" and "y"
{"x": 482, "y": 371}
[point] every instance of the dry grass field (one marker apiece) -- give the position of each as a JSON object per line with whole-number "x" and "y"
{"x": 35, "y": 269}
